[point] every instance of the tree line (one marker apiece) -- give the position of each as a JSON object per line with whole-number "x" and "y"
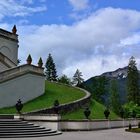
{"x": 132, "y": 106}
{"x": 51, "y": 74}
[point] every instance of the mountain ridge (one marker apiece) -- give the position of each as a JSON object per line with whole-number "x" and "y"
{"x": 119, "y": 74}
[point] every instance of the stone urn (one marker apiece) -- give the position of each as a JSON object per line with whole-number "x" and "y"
{"x": 87, "y": 113}
{"x": 19, "y": 106}
{"x": 106, "y": 113}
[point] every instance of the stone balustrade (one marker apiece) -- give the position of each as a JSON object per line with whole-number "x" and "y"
{"x": 20, "y": 70}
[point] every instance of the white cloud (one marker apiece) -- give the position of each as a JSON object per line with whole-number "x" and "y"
{"x": 15, "y": 8}
{"x": 79, "y": 5}
{"x": 96, "y": 65}
{"x": 132, "y": 40}
{"x": 91, "y": 45}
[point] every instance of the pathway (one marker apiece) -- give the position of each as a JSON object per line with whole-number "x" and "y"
{"x": 112, "y": 134}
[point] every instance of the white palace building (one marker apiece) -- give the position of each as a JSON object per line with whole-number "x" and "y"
{"x": 24, "y": 82}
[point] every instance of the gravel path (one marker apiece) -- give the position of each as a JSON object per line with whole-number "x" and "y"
{"x": 112, "y": 134}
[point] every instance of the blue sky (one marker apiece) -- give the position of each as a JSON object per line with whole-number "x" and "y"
{"x": 94, "y": 36}
{"x": 60, "y": 11}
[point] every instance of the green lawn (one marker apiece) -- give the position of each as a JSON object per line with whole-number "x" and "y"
{"x": 53, "y": 91}
{"x": 97, "y": 112}
{"x": 135, "y": 130}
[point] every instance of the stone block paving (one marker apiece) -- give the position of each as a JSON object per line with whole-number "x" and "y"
{"x": 111, "y": 134}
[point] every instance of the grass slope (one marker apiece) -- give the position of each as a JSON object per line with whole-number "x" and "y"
{"x": 97, "y": 112}
{"x": 53, "y": 91}
{"x": 135, "y": 130}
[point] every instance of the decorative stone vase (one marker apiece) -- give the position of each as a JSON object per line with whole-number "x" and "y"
{"x": 19, "y": 106}
{"x": 87, "y": 113}
{"x": 106, "y": 113}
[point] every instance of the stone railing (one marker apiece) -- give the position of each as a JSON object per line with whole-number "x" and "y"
{"x": 88, "y": 125}
{"x": 55, "y": 121}
{"x": 20, "y": 70}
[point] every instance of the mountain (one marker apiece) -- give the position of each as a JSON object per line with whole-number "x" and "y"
{"x": 117, "y": 74}
{"x": 120, "y": 75}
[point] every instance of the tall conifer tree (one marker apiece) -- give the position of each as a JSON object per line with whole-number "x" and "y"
{"x": 54, "y": 72}
{"x": 133, "y": 82}
{"x": 51, "y": 73}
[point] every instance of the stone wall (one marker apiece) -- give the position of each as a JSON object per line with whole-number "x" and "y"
{"x": 55, "y": 122}
{"x": 64, "y": 108}
{"x": 25, "y": 87}
{"x": 24, "y": 82}
{"x": 88, "y": 125}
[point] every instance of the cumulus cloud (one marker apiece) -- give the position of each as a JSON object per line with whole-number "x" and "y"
{"x": 131, "y": 40}
{"x": 102, "y": 42}
{"x": 81, "y": 9}
{"x": 79, "y": 5}
{"x": 14, "y": 8}
{"x": 96, "y": 65}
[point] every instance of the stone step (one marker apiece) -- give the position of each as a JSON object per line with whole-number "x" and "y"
{"x": 27, "y": 132}
{"x": 14, "y": 122}
{"x": 18, "y": 128}
{"x": 28, "y": 128}
{"x": 24, "y": 130}
{"x": 10, "y": 124}
{"x": 27, "y": 136}
{"x": 11, "y": 120}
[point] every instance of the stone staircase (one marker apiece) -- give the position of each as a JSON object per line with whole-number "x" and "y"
{"x": 10, "y": 128}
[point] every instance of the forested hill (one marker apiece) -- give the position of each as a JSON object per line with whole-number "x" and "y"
{"x": 120, "y": 75}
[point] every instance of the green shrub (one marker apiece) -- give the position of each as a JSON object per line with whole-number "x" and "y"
{"x": 131, "y": 110}
{"x": 135, "y": 130}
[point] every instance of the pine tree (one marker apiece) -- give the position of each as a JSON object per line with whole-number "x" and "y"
{"x": 51, "y": 73}
{"x": 114, "y": 97}
{"x": 77, "y": 78}
{"x": 133, "y": 93}
{"x": 54, "y": 72}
